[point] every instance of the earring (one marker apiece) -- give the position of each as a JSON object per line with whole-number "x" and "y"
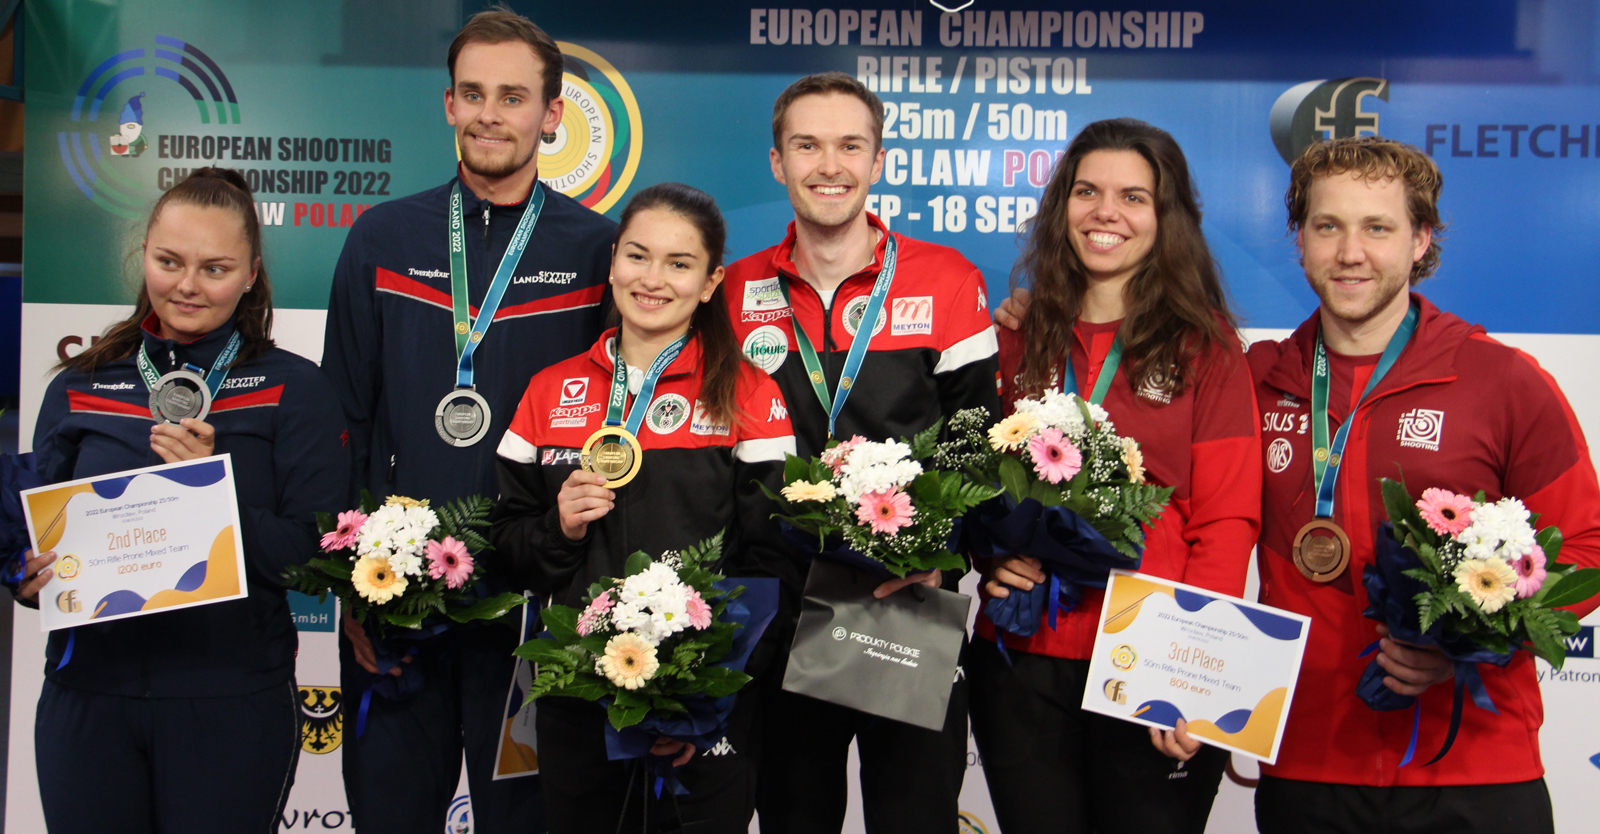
{"x": 705, "y": 298}
{"x": 548, "y": 138}
{"x": 612, "y": 279}
{"x": 248, "y": 286}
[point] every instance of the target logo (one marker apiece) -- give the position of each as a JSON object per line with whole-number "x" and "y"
{"x": 1421, "y": 428}
{"x": 1279, "y": 453}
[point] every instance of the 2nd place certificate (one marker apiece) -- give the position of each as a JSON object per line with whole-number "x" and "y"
{"x": 136, "y": 542}
{"x": 1166, "y": 651}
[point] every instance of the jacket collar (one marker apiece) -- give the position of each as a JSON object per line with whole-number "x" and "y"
{"x": 202, "y": 351}
{"x": 603, "y": 354}
{"x": 472, "y": 205}
{"x": 783, "y": 256}
{"x": 1429, "y": 357}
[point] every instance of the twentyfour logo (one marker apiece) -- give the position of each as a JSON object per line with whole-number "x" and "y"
{"x": 596, "y": 149}
{"x": 1318, "y": 110}
{"x": 109, "y": 116}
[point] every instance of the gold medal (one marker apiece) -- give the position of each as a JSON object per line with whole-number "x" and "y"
{"x": 613, "y": 452}
{"x": 1321, "y": 558}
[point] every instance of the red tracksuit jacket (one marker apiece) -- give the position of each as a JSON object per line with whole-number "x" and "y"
{"x": 1204, "y": 443}
{"x": 1458, "y": 411}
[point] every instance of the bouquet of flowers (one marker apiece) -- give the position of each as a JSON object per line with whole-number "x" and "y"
{"x": 663, "y": 648}
{"x": 1472, "y": 577}
{"x": 1075, "y": 498}
{"x": 401, "y": 562}
{"x": 892, "y": 513}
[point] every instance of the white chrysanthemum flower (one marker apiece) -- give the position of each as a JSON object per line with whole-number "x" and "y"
{"x": 421, "y": 518}
{"x": 627, "y": 615}
{"x": 385, "y": 518}
{"x": 855, "y": 482}
{"x": 406, "y": 564}
{"x": 408, "y": 540}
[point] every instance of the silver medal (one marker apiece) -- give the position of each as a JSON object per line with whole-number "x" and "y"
{"x": 178, "y": 395}
{"x": 462, "y": 417}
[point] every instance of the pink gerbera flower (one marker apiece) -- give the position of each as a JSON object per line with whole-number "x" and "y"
{"x": 1530, "y": 572}
{"x": 450, "y": 560}
{"x": 591, "y": 615}
{"x": 699, "y": 611}
{"x": 834, "y": 458}
{"x": 1054, "y": 457}
{"x": 1445, "y": 512}
{"x": 344, "y": 536}
{"x": 886, "y": 511}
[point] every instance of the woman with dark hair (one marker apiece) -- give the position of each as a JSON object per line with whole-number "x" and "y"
{"x": 1123, "y": 287}
{"x": 704, "y": 426}
{"x": 188, "y": 720}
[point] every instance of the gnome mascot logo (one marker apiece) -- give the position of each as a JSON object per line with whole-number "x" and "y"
{"x": 130, "y": 142}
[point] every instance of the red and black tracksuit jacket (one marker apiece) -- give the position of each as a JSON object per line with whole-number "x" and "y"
{"x": 698, "y": 477}
{"x": 1203, "y": 442}
{"x": 932, "y": 355}
{"x": 1458, "y": 411}
{"x": 278, "y": 418}
{"x": 389, "y": 348}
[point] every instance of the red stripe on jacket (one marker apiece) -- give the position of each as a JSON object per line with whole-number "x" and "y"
{"x": 398, "y": 284}
{"x": 79, "y": 401}
{"x": 266, "y": 396}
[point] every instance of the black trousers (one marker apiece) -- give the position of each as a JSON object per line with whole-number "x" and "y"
{"x": 171, "y": 765}
{"x": 1289, "y": 806}
{"x": 1051, "y": 766}
{"x": 401, "y": 774}
{"x": 585, "y": 793}
{"x": 910, "y": 777}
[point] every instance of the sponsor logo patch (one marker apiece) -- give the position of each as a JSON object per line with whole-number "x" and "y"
{"x": 1279, "y": 453}
{"x": 555, "y": 456}
{"x": 767, "y": 347}
{"x": 115, "y": 386}
{"x": 855, "y": 310}
{"x": 543, "y": 277}
{"x": 242, "y": 382}
{"x": 763, "y": 295}
{"x": 778, "y": 411}
{"x": 575, "y": 390}
{"x": 573, "y": 416}
{"x": 1421, "y": 428}
{"x": 912, "y": 315}
{"x": 701, "y": 424}
{"x": 667, "y": 413}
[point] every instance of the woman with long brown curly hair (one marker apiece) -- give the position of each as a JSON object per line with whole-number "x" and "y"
{"x": 1124, "y": 294}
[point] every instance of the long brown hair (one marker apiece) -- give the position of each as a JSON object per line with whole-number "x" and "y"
{"x": 1175, "y": 304}
{"x": 720, "y": 357}
{"x": 222, "y": 188}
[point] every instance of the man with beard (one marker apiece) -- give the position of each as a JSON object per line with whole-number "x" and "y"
{"x": 428, "y": 388}
{"x": 931, "y": 352}
{"x": 1432, "y": 398}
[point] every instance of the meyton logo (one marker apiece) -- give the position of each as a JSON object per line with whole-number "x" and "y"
{"x": 95, "y": 149}
{"x": 323, "y": 728}
{"x": 912, "y": 315}
{"x": 1318, "y": 110}
{"x": 574, "y": 391}
{"x": 597, "y": 146}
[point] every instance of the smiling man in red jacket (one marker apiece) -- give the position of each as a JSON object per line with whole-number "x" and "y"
{"x": 1455, "y": 410}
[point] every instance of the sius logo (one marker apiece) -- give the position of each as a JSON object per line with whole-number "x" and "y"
{"x": 1318, "y": 110}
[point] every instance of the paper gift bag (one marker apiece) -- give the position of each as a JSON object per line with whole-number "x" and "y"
{"x": 894, "y": 657}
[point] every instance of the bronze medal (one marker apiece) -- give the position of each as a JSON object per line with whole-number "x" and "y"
{"x": 613, "y": 452}
{"x": 1321, "y": 558}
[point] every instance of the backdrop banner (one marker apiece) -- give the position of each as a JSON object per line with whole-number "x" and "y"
{"x": 332, "y": 107}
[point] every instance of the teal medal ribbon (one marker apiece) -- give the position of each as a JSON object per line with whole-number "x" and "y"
{"x": 614, "y": 450}
{"x": 184, "y": 392}
{"x": 834, "y": 403}
{"x": 1324, "y": 558}
{"x": 1102, "y": 383}
{"x": 462, "y": 417}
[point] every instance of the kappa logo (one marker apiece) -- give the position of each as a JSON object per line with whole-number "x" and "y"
{"x": 559, "y": 457}
{"x": 1317, "y": 110}
{"x": 856, "y": 310}
{"x": 701, "y": 424}
{"x": 983, "y": 301}
{"x": 1279, "y": 453}
{"x": 767, "y": 347}
{"x": 912, "y": 315}
{"x": 574, "y": 390}
{"x": 668, "y": 412}
{"x": 722, "y": 748}
{"x": 764, "y": 295}
{"x": 1421, "y": 428}
{"x": 778, "y": 411}
{"x": 573, "y": 417}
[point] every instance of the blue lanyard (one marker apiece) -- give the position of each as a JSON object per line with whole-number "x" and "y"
{"x": 1326, "y": 458}
{"x": 834, "y": 403}
{"x": 468, "y": 338}
{"x": 213, "y": 377}
{"x": 647, "y": 391}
